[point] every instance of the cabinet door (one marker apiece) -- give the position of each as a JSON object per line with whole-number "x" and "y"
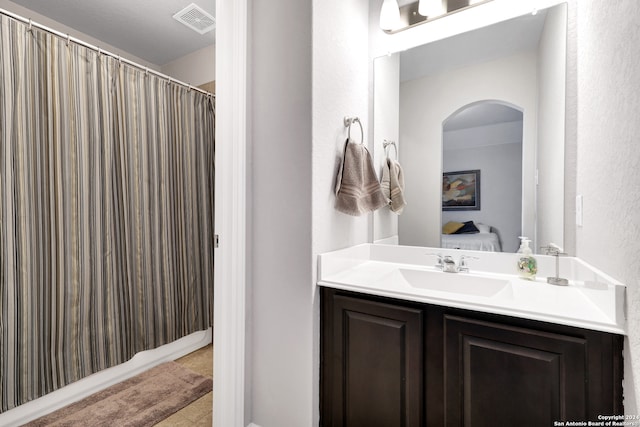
{"x": 504, "y": 375}
{"x": 372, "y": 363}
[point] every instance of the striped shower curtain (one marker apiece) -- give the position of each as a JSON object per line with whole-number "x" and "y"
{"x": 106, "y": 215}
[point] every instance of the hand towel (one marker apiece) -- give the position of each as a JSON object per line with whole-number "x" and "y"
{"x": 357, "y": 187}
{"x": 392, "y": 184}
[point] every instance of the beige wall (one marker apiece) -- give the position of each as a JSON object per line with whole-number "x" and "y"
{"x": 209, "y": 87}
{"x": 196, "y": 68}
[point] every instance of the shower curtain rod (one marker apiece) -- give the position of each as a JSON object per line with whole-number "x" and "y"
{"x": 69, "y": 38}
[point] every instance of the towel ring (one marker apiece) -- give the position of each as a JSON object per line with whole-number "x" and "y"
{"x": 348, "y": 121}
{"x": 386, "y": 144}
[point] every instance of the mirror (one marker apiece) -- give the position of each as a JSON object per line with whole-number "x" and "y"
{"x": 456, "y": 105}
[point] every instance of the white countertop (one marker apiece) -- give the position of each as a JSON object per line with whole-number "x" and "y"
{"x": 592, "y": 300}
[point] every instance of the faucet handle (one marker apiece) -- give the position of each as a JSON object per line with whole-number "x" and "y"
{"x": 462, "y": 264}
{"x": 439, "y": 258}
{"x": 553, "y": 249}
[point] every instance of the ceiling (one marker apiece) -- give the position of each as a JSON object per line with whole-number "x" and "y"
{"x": 144, "y": 28}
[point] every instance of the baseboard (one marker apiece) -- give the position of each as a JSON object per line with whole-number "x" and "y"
{"x": 87, "y": 386}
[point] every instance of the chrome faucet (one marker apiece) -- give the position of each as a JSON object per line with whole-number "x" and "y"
{"x": 555, "y": 250}
{"x": 447, "y": 264}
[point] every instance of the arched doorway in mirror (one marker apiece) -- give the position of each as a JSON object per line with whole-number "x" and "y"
{"x": 482, "y": 176}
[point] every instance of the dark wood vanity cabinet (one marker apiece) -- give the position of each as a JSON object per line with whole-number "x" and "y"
{"x": 387, "y": 362}
{"x": 372, "y": 369}
{"x": 498, "y": 373}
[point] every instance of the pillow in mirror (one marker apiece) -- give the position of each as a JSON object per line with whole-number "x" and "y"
{"x": 467, "y": 228}
{"x": 483, "y": 228}
{"x": 452, "y": 227}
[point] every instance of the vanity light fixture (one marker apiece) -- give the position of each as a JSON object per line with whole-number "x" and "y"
{"x": 390, "y": 15}
{"x": 394, "y": 19}
{"x": 430, "y": 8}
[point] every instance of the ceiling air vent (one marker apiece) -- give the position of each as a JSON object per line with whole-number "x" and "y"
{"x": 196, "y": 18}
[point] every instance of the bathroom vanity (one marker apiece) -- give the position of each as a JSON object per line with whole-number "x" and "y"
{"x": 404, "y": 344}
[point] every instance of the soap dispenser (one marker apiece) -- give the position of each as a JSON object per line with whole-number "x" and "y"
{"x": 527, "y": 264}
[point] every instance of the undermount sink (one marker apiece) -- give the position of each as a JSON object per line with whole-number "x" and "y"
{"x": 453, "y": 282}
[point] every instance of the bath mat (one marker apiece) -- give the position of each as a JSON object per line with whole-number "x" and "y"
{"x": 143, "y": 400}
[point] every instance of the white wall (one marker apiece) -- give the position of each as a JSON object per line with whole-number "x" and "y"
{"x": 340, "y": 88}
{"x": 280, "y": 345}
{"x": 501, "y": 187}
{"x": 196, "y": 68}
{"x": 424, "y": 105}
{"x": 299, "y": 94}
{"x": 551, "y": 128}
{"x": 341, "y": 77}
{"x": 608, "y": 158}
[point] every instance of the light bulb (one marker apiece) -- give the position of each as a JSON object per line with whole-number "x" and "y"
{"x": 389, "y": 15}
{"x": 430, "y": 8}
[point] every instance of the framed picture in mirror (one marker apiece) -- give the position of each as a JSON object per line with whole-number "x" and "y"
{"x": 461, "y": 190}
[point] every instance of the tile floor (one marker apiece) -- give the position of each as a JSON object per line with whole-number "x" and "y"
{"x": 200, "y": 412}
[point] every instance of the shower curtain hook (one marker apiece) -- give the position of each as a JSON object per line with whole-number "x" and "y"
{"x": 30, "y": 30}
{"x": 68, "y": 39}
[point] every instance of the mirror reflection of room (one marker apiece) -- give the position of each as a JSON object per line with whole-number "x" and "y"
{"x": 516, "y": 65}
{"x": 485, "y": 137}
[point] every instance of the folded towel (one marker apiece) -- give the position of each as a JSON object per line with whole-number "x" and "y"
{"x": 357, "y": 187}
{"x": 392, "y": 184}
